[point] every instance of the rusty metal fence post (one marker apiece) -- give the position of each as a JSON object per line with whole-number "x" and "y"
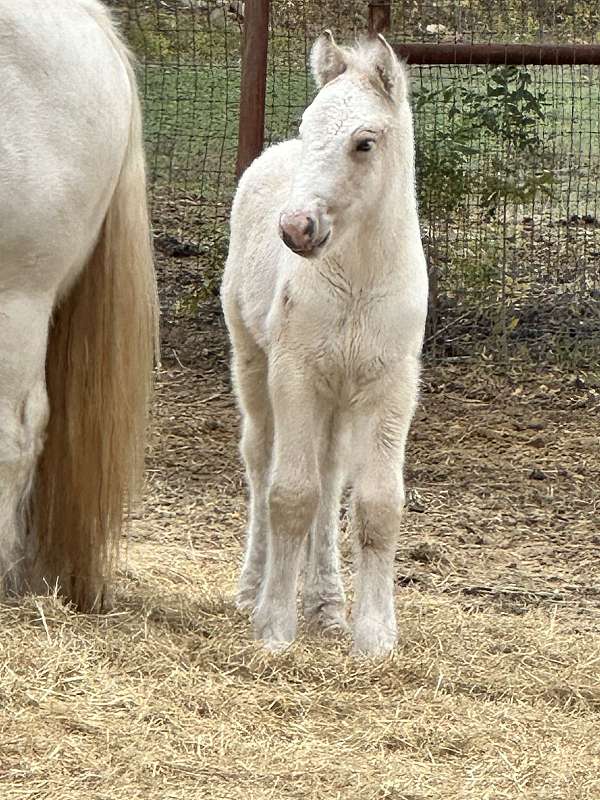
{"x": 254, "y": 83}
{"x": 380, "y": 16}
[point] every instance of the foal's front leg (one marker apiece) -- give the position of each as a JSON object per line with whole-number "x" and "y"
{"x": 256, "y": 450}
{"x": 378, "y": 500}
{"x": 249, "y": 373}
{"x": 293, "y": 501}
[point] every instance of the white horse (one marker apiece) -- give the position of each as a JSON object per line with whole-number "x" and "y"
{"x": 77, "y": 296}
{"x": 327, "y": 329}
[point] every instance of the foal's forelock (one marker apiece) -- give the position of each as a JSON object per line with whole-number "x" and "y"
{"x": 343, "y": 107}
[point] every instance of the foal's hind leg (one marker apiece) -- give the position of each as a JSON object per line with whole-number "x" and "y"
{"x": 250, "y": 382}
{"x": 23, "y": 417}
{"x": 324, "y": 599}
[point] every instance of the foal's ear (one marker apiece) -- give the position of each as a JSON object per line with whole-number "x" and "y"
{"x": 326, "y": 59}
{"x": 389, "y": 73}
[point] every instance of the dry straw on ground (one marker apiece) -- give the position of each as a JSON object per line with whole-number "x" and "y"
{"x": 494, "y": 691}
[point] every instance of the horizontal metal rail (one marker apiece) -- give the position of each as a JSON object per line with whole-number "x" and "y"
{"x": 493, "y": 53}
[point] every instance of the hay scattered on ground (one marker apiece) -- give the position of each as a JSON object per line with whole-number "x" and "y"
{"x": 494, "y": 691}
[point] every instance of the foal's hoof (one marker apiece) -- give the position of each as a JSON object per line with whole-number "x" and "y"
{"x": 272, "y": 640}
{"x": 246, "y": 599}
{"x": 328, "y": 620}
{"x": 276, "y": 632}
{"x": 244, "y": 603}
{"x": 373, "y": 639}
{"x": 275, "y": 645}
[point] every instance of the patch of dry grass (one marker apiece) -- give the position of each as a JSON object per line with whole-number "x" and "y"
{"x": 169, "y": 698}
{"x": 493, "y": 693}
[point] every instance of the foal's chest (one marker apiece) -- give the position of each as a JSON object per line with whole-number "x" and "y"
{"x": 354, "y": 351}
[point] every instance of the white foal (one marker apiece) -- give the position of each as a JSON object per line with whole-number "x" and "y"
{"x": 325, "y": 298}
{"x": 77, "y": 295}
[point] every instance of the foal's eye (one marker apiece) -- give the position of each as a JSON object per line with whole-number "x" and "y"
{"x": 365, "y": 145}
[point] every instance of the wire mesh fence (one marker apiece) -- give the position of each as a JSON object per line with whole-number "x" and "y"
{"x": 508, "y": 158}
{"x": 189, "y": 74}
{"x": 508, "y": 179}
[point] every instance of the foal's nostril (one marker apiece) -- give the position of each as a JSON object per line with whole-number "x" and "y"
{"x": 288, "y": 241}
{"x": 310, "y": 227}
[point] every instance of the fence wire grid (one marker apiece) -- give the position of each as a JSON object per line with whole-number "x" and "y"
{"x": 508, "y": 159}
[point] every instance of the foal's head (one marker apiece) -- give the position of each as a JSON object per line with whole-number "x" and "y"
{"x": 347, "y": 138}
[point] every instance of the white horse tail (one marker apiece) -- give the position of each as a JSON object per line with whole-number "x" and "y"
{"x": 101, "y": 352}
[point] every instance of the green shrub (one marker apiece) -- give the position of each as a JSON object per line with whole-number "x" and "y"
{"x": 485, "y": 145}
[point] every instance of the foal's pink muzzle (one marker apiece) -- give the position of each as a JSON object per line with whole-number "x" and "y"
{"x": 303, "y": 232}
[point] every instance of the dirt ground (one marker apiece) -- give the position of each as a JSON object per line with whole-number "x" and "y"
{"x": 493, "y": 693}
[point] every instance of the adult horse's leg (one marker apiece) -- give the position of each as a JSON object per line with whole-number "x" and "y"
{"x": 324, "y": 599}
{"x": 23, "y": 414}
{"x": 293, "y": 498}
{"x": 378, "y": 500}
{"x": 249, "y": 372}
